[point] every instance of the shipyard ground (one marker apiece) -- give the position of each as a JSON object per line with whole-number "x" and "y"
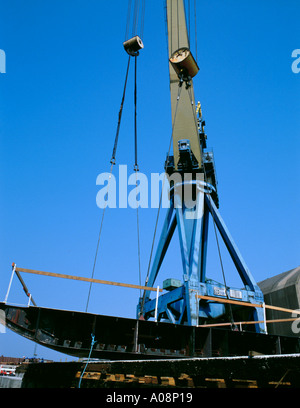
{"x": 258, "y": 371}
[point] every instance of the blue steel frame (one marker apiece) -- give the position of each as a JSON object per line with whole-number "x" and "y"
{"x": 182, "y": 305}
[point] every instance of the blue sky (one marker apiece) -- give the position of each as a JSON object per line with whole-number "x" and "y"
{"x": 59, "y": 102}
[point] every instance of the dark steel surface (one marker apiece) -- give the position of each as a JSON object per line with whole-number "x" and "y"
{"x": 70, "y": 332}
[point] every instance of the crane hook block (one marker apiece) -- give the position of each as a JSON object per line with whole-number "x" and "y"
{"x": 133, "y": 45}
{"x": 184, "y": 63}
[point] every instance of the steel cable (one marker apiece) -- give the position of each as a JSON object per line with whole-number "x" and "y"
{"x": 113, "y": 162}
{"x": 136, "y": 167}
{"x": 160, "y": 200}
{"x": 214, "y": 222}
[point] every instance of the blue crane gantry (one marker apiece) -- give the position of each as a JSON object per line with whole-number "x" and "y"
{"x": 193, "y": 199}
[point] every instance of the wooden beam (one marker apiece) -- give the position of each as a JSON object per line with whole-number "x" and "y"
{"x": 240, "y": 303}
{"x": 128, "y": 285}
{"x": 249, "y": 322}
{"x": 80, "y": 278}
{"x": 282, "y": 309}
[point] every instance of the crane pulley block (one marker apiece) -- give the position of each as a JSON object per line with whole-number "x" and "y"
{"x": 184, "y": 63}
{"x": 133, "y": 45}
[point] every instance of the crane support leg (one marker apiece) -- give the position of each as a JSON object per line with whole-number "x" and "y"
{"x": 181, "y": 305}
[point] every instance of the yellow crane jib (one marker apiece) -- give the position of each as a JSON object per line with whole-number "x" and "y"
{"x": 182, "y": 68}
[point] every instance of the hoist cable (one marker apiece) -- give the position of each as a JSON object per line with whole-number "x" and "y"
{"x": 195, "y": 14}
{"x": 188, "y": 12}
{"x": 178, "y": 31}
{"x": 214, "y": 222}
{"x": 189, "y": 39}
{"x": 222, "y": 268}
{"x": 136, "y": 168}
{"x": 128, "y": 20}
{"x": 138, "y": 236}
{"x": 170, "y": 25}
{"x": 98, "y": 242}
{"x": 142, "y": 18}
{"x": 136, "y": 18}
{"x": 112, "y": 161}
{"x": 88, "y": 360}
{"x": 160, "y": 201}
{"x": 135, "y": 114}
{"x": 113, "y": 157}
{"x": 193, "y": 109}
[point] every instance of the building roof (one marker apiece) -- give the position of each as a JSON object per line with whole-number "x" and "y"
{"x": 280, "y": 281}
